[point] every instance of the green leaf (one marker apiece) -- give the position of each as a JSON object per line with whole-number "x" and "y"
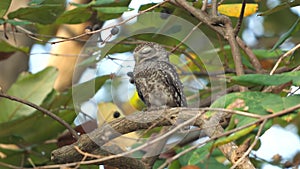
{"x": 30, "y": 87}
{"x": 256, "y": 103}
{"x": 287, "y": 4}
{"x": 184, "y": 159}
{"x": 204, "y": 157}
{"x": 84, "y": 91}
{"x": 174, "y": 164}
{"x": 267, "y": 80}
{"x": 43, "y": 14}
{"x": 7, "y": 48}
{"x": 35, "y": 2}
{"x": 34, "y": 129}
{"x": 4, "y": 5}
{"x": 98, "y": 3}
{"x": 107, "y": 2}
{"x": 17, "y": 23}
{"x": 247, "y": 101}
{"x": 40, "y": 154}
{"x": 294, "y": 29}
{"x": 104, "y": 16}
{"x": 275, "y": 105}
{"x": 265, "y": 54}
{"x": 75, "y": 16}
{"x": 234, "y": 136}
{"x": 2, "y": 21}
{"x": 111, "y": 10}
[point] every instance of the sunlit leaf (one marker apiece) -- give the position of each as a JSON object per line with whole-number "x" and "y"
{"x": 234, "y": 136}
{"x": 111, "y": 10}
{"x": 106, "y": 112}
{"x": 30, "y": 87}
{"x": 234, "y": 10}
{"x": 6, "y": 47}
{"x": 106, "y": 2}
{"x": 36, "y": 2}
{"x": 17, "y": 23}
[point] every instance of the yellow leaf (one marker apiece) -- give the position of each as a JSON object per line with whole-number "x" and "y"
{"x": 136, "y": 102}
{"x": 107, "y": 112}
{"x": 234, "y": 10}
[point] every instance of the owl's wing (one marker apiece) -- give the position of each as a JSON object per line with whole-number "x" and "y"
{"x": 140, "y": 85}
{"x": 173, "y": 80}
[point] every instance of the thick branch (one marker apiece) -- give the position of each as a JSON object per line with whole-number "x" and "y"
{"x": 93, "y": 141}
{"x": 223, "y": 26}
{"x": 253, "y": 59}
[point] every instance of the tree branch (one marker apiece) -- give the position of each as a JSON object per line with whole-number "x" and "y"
{"x": 253, "y": 59}
{"x": 94, "y": 140}
{"x": 239, "y": 23}
{"x": 223, "y": 26}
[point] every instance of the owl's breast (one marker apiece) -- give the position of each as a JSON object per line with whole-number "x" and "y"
{"x": 152, "y": 85}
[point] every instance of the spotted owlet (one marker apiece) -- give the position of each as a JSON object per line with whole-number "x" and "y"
{"x": 156, "y": 80}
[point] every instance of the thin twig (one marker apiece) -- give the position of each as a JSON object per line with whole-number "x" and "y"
{"x": 186, "y": 37}
{"x": 240, "y": 20}
{"x": 253, "y": 59}
{"x": 226, "y": 31}
{"x": 296, "y": 69}
{"x": 204, "y": 5}
{"x": 85, "y": 154}
{"x": 288, "y": 53}
{"x": 246, "y": 114}
{"x": 235, "y": 52}
{"x": 214, "y": 8}
{"x": 109, "y": 27}
{"x": 10, "y": 166}
{"x": 58, "y": 54}
{"x": 188, "y": 55}
{"x": 245, "y": 154}
{"x": 43, "y": 110}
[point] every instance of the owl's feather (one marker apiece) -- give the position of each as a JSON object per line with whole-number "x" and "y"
{"x": 156, "y": 80}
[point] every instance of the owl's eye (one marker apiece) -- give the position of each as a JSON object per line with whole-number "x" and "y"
{"x": 146, "y": 50}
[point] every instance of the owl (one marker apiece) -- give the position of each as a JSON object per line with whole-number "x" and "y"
{"x": 157, "y": 83}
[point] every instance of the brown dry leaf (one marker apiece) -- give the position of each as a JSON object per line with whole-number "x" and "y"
{"x": 238, "y": 103}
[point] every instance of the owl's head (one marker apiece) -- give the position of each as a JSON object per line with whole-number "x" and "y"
{"x": 150, "y": 51}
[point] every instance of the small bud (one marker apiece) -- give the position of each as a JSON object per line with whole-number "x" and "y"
{"x": 165, "y": 13}
{"x": 114, "y": 30}
{"x": 117, "y": 114}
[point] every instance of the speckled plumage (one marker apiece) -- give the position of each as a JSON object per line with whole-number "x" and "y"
{"x": 156, "y": 80}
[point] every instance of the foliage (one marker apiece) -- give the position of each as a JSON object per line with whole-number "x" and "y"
{"x": 28, "y": 133}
